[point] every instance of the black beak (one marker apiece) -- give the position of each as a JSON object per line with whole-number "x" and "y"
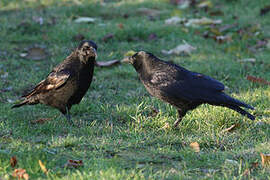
{"x": 93, "y": 52}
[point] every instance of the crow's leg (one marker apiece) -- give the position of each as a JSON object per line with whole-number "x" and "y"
{"x": 68, "y": 116}
{"x": 181, "y": 114}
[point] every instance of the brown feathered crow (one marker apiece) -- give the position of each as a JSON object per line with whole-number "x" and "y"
{"x": 180, "y": 87}
{"x": 67, "y": 83}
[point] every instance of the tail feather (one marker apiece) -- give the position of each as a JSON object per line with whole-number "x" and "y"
{"x": 235, "y": 102}
{"x": 241, "y": 111}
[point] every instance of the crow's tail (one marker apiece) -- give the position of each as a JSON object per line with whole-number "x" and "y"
{"x": 241, "y": 111}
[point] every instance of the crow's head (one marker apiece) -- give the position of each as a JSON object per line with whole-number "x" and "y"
{"x": 140, "y": 60}
{"x": 87, "y": 50}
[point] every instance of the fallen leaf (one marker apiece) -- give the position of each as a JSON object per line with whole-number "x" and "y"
{"x": 221, "y": 39}
{"x": 174, "y": 20}
{"x": 129, "y": 53}
{"x": 205, "y": 4}
{"x": 195, "y": 146}
{"x": 252, "y": 60}
{"x": 35, "y": 53}
{"x": 107, "y": 37}
{"x": 107, "y": 63}
{"x": 43, "y": 167}
{"x": 182, "y": 49}
{"x": 73, "y": 164}
{"x": 85, "y": 20}
{"x": 20, "y": 174}
{"x": 201, "y": 22}
{"x": 265, "y": 159}
{"x": 257, "y": 80}
{"x": 13, "y": 161}
{"x": 40, "y": 121}
{"x": 265, "y": 10}
{"x": 148, "y": 12}
{"x": 38, "y": 20}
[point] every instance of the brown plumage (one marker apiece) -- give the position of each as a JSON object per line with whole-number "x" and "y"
{"x": 67, "y": 83}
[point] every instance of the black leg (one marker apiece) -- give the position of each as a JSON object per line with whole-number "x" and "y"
{"x": 68, "y": 116}
{"x": 181, "y": 114}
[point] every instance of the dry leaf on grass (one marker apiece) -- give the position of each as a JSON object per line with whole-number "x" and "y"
{"x": 205, "y": 4}
{"x": 258, "y": 80}
{"x": 195, "y": 146}
{"x": 40, "y": 121}
{"x": 35, "y": 53}
{"x": 265, "y": 159}
{"x": 148, "y": 12}
{"x": 43, "y": 167}
{"x": 85, "y": 20}
{"x": 13, "y": 161}
{"x": 201, "y": 22}
{"x": 182, "y": 49}
{"x": 20, "y": 174}
{"x": 73, "y": 164}
{"x": 107, "y": 63}
{"x": 174, "y": 20}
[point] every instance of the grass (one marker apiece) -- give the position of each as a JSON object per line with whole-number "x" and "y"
{"x": 120, "y": 136}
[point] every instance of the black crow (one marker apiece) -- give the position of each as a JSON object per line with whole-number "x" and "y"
{"x": 67, "y": 83}
{"x": 180, "y": 87}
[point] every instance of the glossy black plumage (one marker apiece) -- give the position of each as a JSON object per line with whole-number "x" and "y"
{"x": 180, "y": 87}
{"x": 68, "y": 82}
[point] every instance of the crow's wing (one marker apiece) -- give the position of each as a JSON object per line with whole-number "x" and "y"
{"x": 55, "y": 80}
{"x": 187, "y": 85}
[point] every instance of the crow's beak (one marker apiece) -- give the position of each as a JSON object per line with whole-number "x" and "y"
{"x": 127, "y": 60}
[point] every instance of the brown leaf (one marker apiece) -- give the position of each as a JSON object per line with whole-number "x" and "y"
{"x": 73, "y": 164}
{"x": 265, "y": 159}
{"x": 13, "y": 161}
{"x": 107, "y": 37}
{"x": 43, "y": 167}
{"x": 41, "y": 120}
{"x": 107, "y": 63}
{"x": 257, "y": 80}
{"x": 195, "y": 146}
{"x": 35, "y": 53}
{"x": 20, "y": 174}
{"x": 265, "y": 10}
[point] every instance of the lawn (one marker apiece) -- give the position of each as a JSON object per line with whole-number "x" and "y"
{"x": 123, "y": 132}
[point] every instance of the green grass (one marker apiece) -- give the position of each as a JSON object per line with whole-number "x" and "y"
{"x": 119, "y": 137}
